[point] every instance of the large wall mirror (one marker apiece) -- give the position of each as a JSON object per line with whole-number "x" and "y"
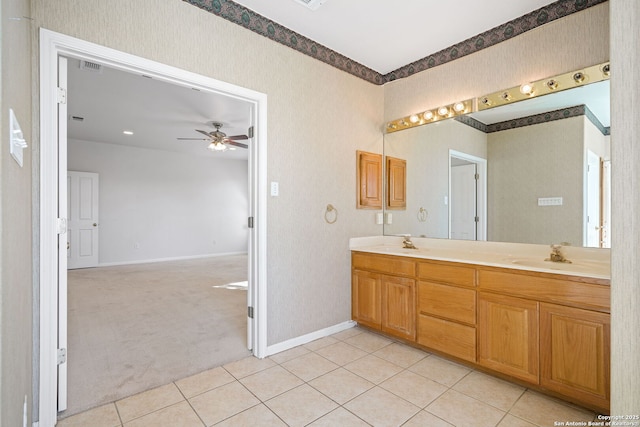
{"x": 533, "y": 171}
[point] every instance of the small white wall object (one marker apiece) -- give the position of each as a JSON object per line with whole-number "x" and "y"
{"x": 17, "y": 142}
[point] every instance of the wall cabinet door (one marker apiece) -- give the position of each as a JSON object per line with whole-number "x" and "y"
{"x": 575, "y": 351}
{"x": 508, "y": 335}
{"x": 366, "y": 298}
{"x": 396, "y": 183}
{"x": 399, "y": 306}
{"x": 369, "y": 179}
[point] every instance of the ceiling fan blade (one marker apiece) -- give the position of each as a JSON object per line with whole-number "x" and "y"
{"x": 204, "y": 132}
{"x": 193, "y": 139}
{"x": 238, "y": 137}
{"x": 236, "y": 144}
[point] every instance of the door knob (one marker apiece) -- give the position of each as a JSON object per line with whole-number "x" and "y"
{"x": 95, "y": 224}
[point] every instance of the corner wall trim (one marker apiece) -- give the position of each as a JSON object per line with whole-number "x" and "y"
{"x": 304, "y": 339}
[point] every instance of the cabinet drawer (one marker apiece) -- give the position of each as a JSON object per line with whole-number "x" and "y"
{"x": 397, "y": 266}
{"x": 546, "y": 289}
{"x": 448, "y": 337}
{"x": 454, "y": 274}
{"x": 447, "y": 301}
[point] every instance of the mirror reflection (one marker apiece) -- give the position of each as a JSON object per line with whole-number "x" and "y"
{"x": 536, "y": 171}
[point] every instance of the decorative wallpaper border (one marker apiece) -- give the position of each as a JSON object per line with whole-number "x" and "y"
{"x": 550, "y": 116}
{"x": 238, "y": 14}
{"x": 496, "y": 35}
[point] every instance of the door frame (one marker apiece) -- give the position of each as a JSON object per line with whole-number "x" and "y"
{"x": 53, "y": 45}
{"x": 481, "y": 191}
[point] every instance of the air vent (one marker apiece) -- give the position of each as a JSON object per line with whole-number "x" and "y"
{"x": 311, "y": 4}
{"x": 91, "y": 66}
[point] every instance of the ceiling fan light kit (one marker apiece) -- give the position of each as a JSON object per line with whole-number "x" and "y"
{"x": 218, "y": 140}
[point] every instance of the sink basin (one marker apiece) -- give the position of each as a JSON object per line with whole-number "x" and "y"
{"x": 398, "y": 250}
{"x": 576, "y": 266}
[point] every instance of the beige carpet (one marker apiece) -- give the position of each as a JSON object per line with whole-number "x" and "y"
{"x": 135, "y": 327}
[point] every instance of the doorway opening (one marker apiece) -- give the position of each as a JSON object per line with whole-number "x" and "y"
{"x": 53, "y": 226}
{"x": 467, "y": 196}
{"x": 162, "y": 221}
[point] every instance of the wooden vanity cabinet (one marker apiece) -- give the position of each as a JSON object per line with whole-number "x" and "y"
{"x": 383, "y": 293}
{"x": 550, "y": 331}
{"x": 447, "y": 309}
{"x": 575, "y": 353}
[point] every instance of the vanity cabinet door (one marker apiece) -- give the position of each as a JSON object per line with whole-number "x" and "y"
{"x": 575, "y": 351}
{"x": 366, "y": 298}
{"x": 399, "y": 306}
{"x": 508, "y": 335}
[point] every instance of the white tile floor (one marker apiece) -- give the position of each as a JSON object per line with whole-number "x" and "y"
{"x": 353, "y": 378}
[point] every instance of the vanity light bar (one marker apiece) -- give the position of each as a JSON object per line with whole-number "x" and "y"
{"x": 593, "y": 74}
{"x": 429, "y": 116}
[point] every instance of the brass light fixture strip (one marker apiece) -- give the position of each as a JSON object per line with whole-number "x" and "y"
{"x": 593, "y": 74}
{"x": 434, "y": 115}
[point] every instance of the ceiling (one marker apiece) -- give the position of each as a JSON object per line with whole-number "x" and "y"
{"x": 370, "y": 32}
{"x": 158, "y": 113}
{"x": 384, "y": 35}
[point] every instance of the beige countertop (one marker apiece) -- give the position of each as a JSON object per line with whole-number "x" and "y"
{"x": 586, "y": 262}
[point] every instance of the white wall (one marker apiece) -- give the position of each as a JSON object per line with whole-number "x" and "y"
{"x": 170, "y": 204}
{"x": 16, "y": 228}
{"x": 625, "y": 221}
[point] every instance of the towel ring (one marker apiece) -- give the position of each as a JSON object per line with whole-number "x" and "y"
{"x": 328, "y": 212}
{"x": 422, "y": 214}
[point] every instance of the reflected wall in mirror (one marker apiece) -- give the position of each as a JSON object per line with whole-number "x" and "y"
{"x": 546, "y": 167}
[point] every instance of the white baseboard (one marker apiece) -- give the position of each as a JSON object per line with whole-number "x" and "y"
{"x": 182, "y": 258}
{"x": 294, "y": 342}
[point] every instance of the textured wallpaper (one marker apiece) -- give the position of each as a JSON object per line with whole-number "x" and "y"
{"x": 543, "y": 160}
{"x": 318, "y": 117}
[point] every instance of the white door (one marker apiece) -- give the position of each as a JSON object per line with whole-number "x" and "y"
{"x": 62, "y": 237}
{"x": 593, "y": 201}
{"x": 463, "y": 202}
{"x": 82, "y": 224}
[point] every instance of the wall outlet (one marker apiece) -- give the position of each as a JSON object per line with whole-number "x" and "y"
{"x": 379, "y": 218}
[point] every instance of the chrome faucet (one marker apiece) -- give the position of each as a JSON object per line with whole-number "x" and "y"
{"x": 557, "y": 255}
{"x": 407, "y": 243}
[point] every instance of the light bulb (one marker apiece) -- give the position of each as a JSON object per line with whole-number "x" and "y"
{"x": 458, "y": 107}
{"x": 526, "y": 89}
{"x": 443, "y": 111}
{"x": 428, "y": 115}
{"x": 414, "y": 118}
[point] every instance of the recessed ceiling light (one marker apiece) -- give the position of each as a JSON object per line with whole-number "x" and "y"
{"x": 127, "y": 132}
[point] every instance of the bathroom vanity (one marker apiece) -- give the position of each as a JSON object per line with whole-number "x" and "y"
{"x": 498, "y": 307}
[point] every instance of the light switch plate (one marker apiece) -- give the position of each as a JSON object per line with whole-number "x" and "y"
{"x": 17, "y": 143}
{"x": 275, "y": 188}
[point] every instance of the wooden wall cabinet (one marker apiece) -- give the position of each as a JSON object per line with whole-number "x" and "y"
{"x": 369, "y": 180}
{"x": 396, "y": 173}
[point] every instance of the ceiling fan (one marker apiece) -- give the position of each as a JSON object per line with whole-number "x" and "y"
{"x": 218, "y": 140}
